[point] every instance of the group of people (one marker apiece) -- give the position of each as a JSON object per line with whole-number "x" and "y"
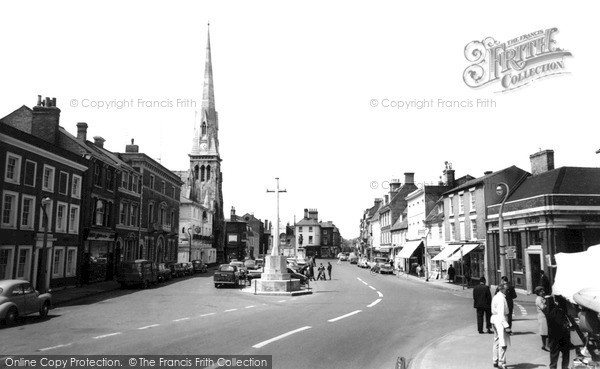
{"x": 498, "y": 310}
{"x": 309, "y": 272}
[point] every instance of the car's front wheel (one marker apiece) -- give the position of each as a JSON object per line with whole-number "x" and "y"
{"x": 44, "y": 309}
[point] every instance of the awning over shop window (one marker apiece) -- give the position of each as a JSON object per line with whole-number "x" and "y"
{"x": 467, "y": 248}
{"x": 446, "y": 252}
{"x": 409, "y": 248}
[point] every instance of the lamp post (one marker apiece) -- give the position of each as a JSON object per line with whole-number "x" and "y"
{"x": 275, "y": 250}
{"x": 502, "y": 189}
{"x": 189, "y": 232}
{"x": 42, "y": 280}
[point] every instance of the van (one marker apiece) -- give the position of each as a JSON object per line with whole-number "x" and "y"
{"x": 138, "y": 272}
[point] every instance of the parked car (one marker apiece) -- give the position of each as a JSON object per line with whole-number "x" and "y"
{"x": 362, "y": 262}
{"x": 199, "y": 266}
{"x": 250, "y": 264}
{"x": 226, "y": 274}
{"x": 344, "y": 256}
{"x": 164, "y": 272}
{"x": 242, "y": 270}
{"x": 186, "y": 269}
{"x": 19, "y": 298}
{"x": 260, "y": 263}
{"x": 386, "y": 268}
{"x": 176, "y": 270}
{"x": 138, "y": 272}
{"x": 352, "y": 258}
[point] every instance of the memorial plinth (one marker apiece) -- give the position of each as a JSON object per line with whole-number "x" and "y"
{"x": 275, "y": 280}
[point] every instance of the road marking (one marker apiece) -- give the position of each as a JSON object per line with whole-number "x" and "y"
{"x": 282, "y": 301}
{"x": 344, "y": 316}
{"x": 106, "y": 335}
{"x": 180, "y": 319}
{"x": 359, "y": 279}
{"x": 54, "y": 347}
{"x": 522, "y": 309}
{"x": 207, "y": 314}
{"x": 149, "y": 326}
{"x": 374, "y": 303}
{"x": 227, "y": 311}
{"x": 380, "y": 294}
{"x": 250, "y": 307}
{"x": 264, "y": 343}
{"x": 365, "y": 283}
{"x": 373, "y": 288}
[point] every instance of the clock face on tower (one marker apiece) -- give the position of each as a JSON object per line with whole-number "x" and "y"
{"x": 203, "y": 146}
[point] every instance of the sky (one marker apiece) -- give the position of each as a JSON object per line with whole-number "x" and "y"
{"x": 307, "y": 91}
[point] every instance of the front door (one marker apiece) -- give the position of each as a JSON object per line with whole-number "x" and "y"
{"x": 536, "y": 266}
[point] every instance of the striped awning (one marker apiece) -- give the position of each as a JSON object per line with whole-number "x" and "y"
{"x": 466, "y": 248}
{"x": 446, "y": 252}
{"x": 409, "y": 248}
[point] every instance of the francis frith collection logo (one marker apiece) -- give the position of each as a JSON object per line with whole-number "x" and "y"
{"x": 514, "y": 63}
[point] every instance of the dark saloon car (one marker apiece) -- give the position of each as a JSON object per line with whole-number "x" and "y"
{"x": 227, "y": 274}
{"x": 176, "y": 270}
{"x": 19, "y": 298}
{"x": 199, "y": 266}
{"x": 164, "y": 272}
{"x": 138, "y": 272}
{"x": 186, "y": 268}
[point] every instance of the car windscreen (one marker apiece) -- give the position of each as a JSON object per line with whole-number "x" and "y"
{"x": 227, "y": 268}
{"x": 131, "y": 267}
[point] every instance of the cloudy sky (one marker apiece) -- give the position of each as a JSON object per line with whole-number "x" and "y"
{"x": 296, "y": 84}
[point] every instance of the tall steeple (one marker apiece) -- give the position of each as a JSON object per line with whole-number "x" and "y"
{"x": 208, "y": 93}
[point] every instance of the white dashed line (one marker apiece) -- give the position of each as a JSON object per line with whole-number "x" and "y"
{"x": 282, "y": 301}
{"x": 180, "y": 319}
{"x": 227, "y": 311}
{"x": 374, "y": 303}
{"x": 106, "y": 335}
{"x": 344, "y": 316}
{"x": 373, "y": 288}
{"x": 380, "y": 294}
{"x": 264, "y": 343}
{"x": 207, "y": 314}
{"x": 149, "y": 326}
{"x": 250, "y": 307}
{"x": 359, "y": 279}
{"x": 365, "y": 283}
{"x": 54, "y": 347}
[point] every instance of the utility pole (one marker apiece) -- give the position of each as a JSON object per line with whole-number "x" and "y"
{"x": 275, "y": 250}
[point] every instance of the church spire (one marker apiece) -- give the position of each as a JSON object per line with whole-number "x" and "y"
{"x": 208, "y": 94}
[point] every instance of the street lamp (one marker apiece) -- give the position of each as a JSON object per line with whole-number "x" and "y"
{"x": 189, "y": 232}
{"x": 502, "y": 189}
{"x": 42, "y": 284}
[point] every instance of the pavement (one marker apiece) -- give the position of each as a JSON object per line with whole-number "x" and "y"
{"x": 464, "y": 348}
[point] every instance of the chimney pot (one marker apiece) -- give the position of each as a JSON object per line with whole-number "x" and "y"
{"x": 82, "y": 131}
{"x": 99, "y": 141}
{"x": 54, "y": 101}
{"x": 39, "y": 102}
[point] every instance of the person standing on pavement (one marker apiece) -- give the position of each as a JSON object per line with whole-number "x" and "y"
{"x": 510, "y": 295}
{"x": 559, "y": 336}
{"x": 451, "y": 273}
{"x": 500, "y": 326}
{"x": 329, "y": 267}
{"x": 482, "y": 301}
{"x": 542, "y": 308}
{"x": 545, "y": 282}
{"x": 321, "y": 273}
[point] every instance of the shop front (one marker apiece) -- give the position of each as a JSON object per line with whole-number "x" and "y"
{"x": 99, "y": 257}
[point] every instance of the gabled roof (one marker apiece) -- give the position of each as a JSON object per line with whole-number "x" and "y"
{"x": 308, "y": 222}
{"x": 397, "y": 225}
{"x": 563, "y": 180}
{"x": 479, "y": 180}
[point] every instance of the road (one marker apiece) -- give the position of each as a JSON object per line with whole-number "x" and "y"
{"x": 355, "y": 320}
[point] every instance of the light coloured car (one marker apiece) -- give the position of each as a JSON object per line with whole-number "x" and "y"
{"x": 362, "y": 262}
{"x": 19, "y": 298}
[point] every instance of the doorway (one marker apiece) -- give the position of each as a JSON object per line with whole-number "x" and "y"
{"x": 535, "y": 262}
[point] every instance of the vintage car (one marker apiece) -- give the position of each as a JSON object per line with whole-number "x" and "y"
{"x": 138, "y": 272}
{"x": 362, "y": 262}
{"x": 250, "y": 264}
{"x": 386, "y": 268}
{"x": 199, "y": 266}
{"x": 19, "y": 298}
{"x": 226, "y": 274}
{"x": 186, "y": 269}
{"x": 176, "y": 270}
{"x": 352, "y": 258}
{"x": 164, "y": 272}
{"x": 243, "y": 271}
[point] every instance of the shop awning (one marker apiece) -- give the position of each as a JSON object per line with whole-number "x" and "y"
{"x": 466, "y": 248}
{"x": 409, "y": 248}
{"x": 446, "y": 252}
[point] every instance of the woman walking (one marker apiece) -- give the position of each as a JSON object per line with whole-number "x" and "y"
{"x": 542, "y": 308}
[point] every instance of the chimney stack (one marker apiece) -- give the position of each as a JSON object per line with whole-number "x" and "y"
{"x": 378, "y": 202}
{"x": 314, "y": 214}
{"x": 132, "y": 147}
{"x": 82, "y": 131}
{"x": 305, "y": 213}
{"x": 487, "y": 172}
{"x": 232, "y": 213}
{"x": 45, "y": 120}
{"x": 387, "y": 199}
{"x": 409, "y": 178}
{"x": 99, "y": 141}
{"x": 395, "y": 185}
{"x": 542, "y": 161}
{"x": 448, "y": 175}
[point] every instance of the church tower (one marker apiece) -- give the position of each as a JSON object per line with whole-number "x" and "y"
{"x": 206, "y": 180}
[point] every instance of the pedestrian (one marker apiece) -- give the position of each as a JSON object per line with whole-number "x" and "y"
{"x": 510, "y": 295}
{"x": 482, "y": 301}
{"x": 500, "y": 326}
{"x": 542, "y": 308}
{"x": 339, "y": 258}
{"x": 419, "y": 270}
{"x": 329, "y": 267}
{"x": 545, "y": 282}
{"x": 451, "y": 273}
{"x": 321, "y": 274}
{"x": 559, "y": 336}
